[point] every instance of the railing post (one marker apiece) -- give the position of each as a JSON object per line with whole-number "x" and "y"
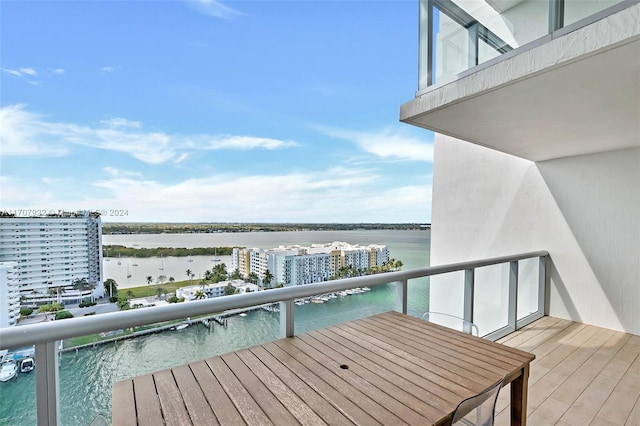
{"x": 543, "y": 286}
{"x": 513, "y": 295}
{"x": 287, "y": 324}
{"x": 401, "y": 296}
{"x": 47, "y": 400}
{"x": 469, "y": 283}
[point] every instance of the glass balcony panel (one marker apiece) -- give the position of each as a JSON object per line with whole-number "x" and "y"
{"x": 341, "y": 306}
{"x": 446, "y": 293}
{"x": 491, "y": 304}
{"x": 451, "y": 47}
{"x": 575, "y": 10}
{"x": 18, "y": 394}
{"x": 528, "y": 272}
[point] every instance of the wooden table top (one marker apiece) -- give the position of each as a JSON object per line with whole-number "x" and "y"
{"x": 385, "y": 369}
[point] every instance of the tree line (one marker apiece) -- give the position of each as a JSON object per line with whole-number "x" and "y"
{"x": 122, "y": 251}
{"x": 181, "y": 228}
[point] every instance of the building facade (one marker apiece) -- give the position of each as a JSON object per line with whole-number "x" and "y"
{"x": 296, "y": 265}
{"x": 51, "y": 253}
{"x": 535, "y": 108}
{"x": 9, "y": 295}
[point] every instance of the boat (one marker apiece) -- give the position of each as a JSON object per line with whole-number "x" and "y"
{"x": 128, "y": 273}
{"x": 189, "y": 259}
{"x": 182, "y": 326}
{"x": 161, "y": 263}
{"x": 8, "y": 371}
{"x": 243, "y": 314}
{"x": 215, "y": 256}
{"x": 27, "y": 365}
{"x": 135, "y": 264}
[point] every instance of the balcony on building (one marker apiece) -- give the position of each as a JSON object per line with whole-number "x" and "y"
{"x": 536, "y": 79}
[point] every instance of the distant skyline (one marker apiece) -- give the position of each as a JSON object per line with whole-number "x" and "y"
{"x": 207, "y": 111}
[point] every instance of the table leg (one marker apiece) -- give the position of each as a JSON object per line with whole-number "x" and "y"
{"x": 519, "y": 388}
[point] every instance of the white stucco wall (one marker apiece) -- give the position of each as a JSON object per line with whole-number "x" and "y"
{"x": 584, "y": 210}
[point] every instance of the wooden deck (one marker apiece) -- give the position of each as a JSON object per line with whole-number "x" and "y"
{"x": 387, "y": 369}
{"x": 582, "y": 375}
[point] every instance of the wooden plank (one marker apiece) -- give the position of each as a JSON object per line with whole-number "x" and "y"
{"x": 147, "y": 403}
{"x": 452, "y": 345}
{"x": 346, "y": 390}
{"x": 405, "y": 378}
{"x": 442, "y": 366}
{"x": 173, "y": 408}
{"x": 333, "y": 396}
{"x": 248, "y": 408}
{"x": 424, "y": 331}
{"x": 222, "y": 406}
{"x": 194, "y": 400}
{"x": 291, "y": 402}
{"x": 449, "y": 335}
{"x": 124, "y": 404}
{"x": 260, "y": 393}
{"x": 404, "y": 391}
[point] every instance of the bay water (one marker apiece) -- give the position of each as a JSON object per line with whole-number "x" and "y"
{"x": 87, "y": 375}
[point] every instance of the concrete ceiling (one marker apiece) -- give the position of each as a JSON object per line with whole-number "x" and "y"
{"x": 584, "y": 106}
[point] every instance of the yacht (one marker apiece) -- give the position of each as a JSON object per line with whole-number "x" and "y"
{"x": 27, "y": 365}
{"x": 8, "y": 371}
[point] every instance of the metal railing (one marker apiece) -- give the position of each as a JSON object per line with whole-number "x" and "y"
{"x": 45, "y": 335}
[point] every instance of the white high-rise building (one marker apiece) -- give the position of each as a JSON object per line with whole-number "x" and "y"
{"x": 535, "y": 106}
{"x": 51, "y": 253}
{"x": 9, "y": 295}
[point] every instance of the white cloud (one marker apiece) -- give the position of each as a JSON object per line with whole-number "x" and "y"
{"x": 248, "y": 142}
{"x": 213, "y": 8}
{"x": 107, "y": 69}
{"x": 29, "y": 71}
{"x": 388, "y": 143}
{"x": 14, "y": 73}
{"x": 336, "y": 195}
{"x": 26, "y": 133}
{"x": 21, "y": 133}
{"x": 121, "y": 122}
{"x": 58, "y": 71}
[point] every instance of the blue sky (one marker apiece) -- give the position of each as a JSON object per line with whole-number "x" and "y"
{"x": 205, "y": 111}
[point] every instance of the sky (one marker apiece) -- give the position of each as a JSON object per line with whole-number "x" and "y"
{"x": 212, "y": 111}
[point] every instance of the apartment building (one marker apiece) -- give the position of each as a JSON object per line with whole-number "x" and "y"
{"x": 9, "y": 295}
{"x": 52, "y": 252}
{"x": 535, "y": 106}
{"x": 296, "y": 265}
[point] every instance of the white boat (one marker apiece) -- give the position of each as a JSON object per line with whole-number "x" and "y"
{"x": 215, "y": 256}
{"x": 27, "y": 365}
{"x": 243, "y": 314}
{"x": 189, "y": 259}
{"x": 8, "y": 371}
{"x": 182, "y": 326}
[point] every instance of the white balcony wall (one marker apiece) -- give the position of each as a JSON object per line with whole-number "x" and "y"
{"x": 584, "y": 210}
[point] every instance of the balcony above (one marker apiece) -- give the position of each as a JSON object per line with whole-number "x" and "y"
{"x": 575, "y": 91}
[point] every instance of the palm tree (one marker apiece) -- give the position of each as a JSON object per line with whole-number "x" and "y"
{"x": 199, "y": 295}
{"x": 398, "y": 265}
{"x": 160, "y": 291}
{"x": 81, "y": 284}
{"x": 111, "y": 287}
{"x": 189, "y": 275}
{"x": 149, "y": 279}
{"x": 268, "y": 277}
{"x": 130, "y": 294}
